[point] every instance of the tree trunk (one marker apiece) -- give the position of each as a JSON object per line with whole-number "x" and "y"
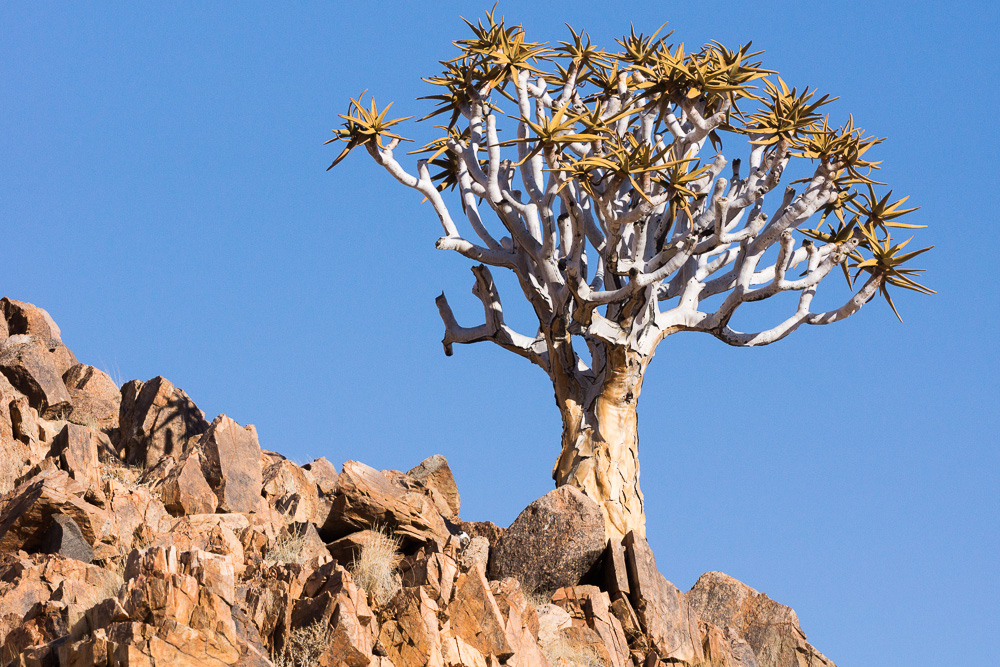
{"x": 600, "y": 443}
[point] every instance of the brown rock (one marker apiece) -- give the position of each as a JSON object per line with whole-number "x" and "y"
{"x": 435, "y": 572}
{"x": 771, "y": 629}
{"x": 477, "y": 550}
{"x": 457, "y": 653}
{"x": 409, "y": 631}
{"x": 435, "y": 474}
{"x": 15, "y": 455}
{"x": 28, "y": 319}
{"x": 66, "y": 539}
{"x": 520, "y": 623}
{"x": 289, "y": 490}
{"x": 476, "y": 618}
{"x": 269, "y": 598}
{"x": 324, "y": 474}
{"x": 96, "y": 398}
{"x": 615, "y": 570}
{"x": 169, "y": 644}
{"x": 551, "y": 620}
{"x": 669, "y": 622}
{"x": 139, "y": 515}
{"x": 487, "y": 529}
{"x": 366, "y": 499}
{"x": 23, "y": 418}
{"x": 214, "y": 533}
{"x": 181, "y": 485}
{"x": 90, "y": 652}
{"x": 192, "y": 622}
{"x": 576, "y": 645}
{"x": 622, "y": 610}
{"x": 591, "y": 606}
{"x": 724, "y": 648}
{"x": 26, "y": 363}
{"x": 77, "y": 447}
{"x": 31, "y": 641}
{"x": 339, "y": 604}
{"x": 346, "y": 549}
{"x": 26, "y": 516}
{"x": 232, "y": 465}
{"x": 553, "y": 543}
{"x": 157, "y": 419}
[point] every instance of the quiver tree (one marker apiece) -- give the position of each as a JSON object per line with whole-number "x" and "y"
{"x": 617, "y": 210}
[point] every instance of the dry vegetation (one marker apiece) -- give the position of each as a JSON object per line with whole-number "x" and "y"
{"x": 288, "y": 548}
{"x": 374, "y": 569}
{"x": 563, "y": 653}
{"x": 304, "y": 646}
{"x": 536, "y": 597}
{"x": 120, "y": 472}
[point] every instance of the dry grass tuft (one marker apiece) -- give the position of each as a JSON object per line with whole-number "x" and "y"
{"x": 374, "y": 569}
{"x": 289, "y": 547}
{"x": 564, "y": 653}
{"x": 122, "y": 473}
{"x": 537, "y": 597}
{"x": 304, "y": 646}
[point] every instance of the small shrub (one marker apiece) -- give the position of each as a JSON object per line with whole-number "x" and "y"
{"x": 537, "y": 597}
{"x": 564, "y": 653}
{"x": 374, "y": 568}
{"x": 304, "y": 646}
{"x": 122, "y": 473}
{"x": 289, "y": 547}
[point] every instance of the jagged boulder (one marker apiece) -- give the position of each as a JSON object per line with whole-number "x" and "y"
{"x": 475, "y": 616}
{"x": 334, "y": 602}
{"x": 553, "y": 543}
{"x": 290, "y": 491}
{"x": 410, "y": 630}
{"x": 77, "y": 448}
{"x": 367, "y": 498}
{"x": 725, "y": 648}
{"x": 33, "y": 371}
{"x": 324, "y": 474}
{"x": 231, "y": 464}
{"x": 591, "y": 607}
{"x": 26, "y": 516}
{"x": 521, "y": 623}
{"x": 435, "y": 473}
{"x": 33, "y": 587}
{"x": 665, "y": 615}
{"x": 771, "y": 629}
{"x": 64, "y": 538}
{"x": 157, "y": 419}
{"x": 28, "y": 319}
{"x": 96, "y": 398}
{"x": 181, "y": 485}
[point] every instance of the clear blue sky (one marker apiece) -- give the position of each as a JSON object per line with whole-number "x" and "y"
{"x": 163, "y": 195}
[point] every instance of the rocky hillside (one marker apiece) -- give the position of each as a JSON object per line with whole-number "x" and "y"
{"x": 134, "y": 532}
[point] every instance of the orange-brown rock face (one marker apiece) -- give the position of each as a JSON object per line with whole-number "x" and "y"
{"x": 771, "y": 629}
{"x": 134, "y": 533}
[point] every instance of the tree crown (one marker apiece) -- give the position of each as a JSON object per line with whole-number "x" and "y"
{"x": 618, "y": 223}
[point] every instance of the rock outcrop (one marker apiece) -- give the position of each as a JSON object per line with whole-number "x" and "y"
{"x": 553, "y": 543}
{"x": 134, "y": 532}
{"x": 770, "y": 629}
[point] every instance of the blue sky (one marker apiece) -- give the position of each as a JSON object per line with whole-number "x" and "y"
{"x": 163, "y": 195}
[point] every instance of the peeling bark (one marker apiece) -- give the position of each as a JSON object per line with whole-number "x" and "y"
{"x": 600, "y": 444}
